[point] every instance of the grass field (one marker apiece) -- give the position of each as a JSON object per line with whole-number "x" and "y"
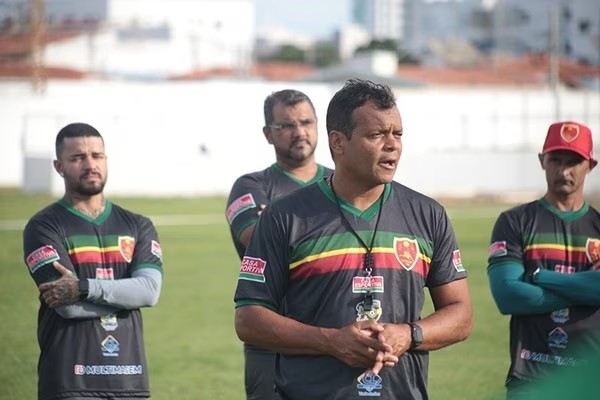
{"x": 192, "y": 348}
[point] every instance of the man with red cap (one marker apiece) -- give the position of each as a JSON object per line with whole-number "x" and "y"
{"x": 544, "y": 258}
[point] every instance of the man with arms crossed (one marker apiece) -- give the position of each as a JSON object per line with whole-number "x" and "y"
{"x": 543, "y": 262}
{"x": 95, "y": 265}
{"x": 291, "y": 127}
{"x": 351, "y": 257}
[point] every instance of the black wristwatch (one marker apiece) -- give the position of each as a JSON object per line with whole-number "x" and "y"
{"x": 84, "y": 289}
{"x": 416, "y": 335}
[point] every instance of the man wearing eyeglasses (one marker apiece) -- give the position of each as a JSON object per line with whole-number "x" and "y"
{"x": 291, "y": 127}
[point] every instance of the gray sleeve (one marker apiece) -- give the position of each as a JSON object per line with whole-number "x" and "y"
{"x": 83, "y": 309}
{"x": 141, "y": 290}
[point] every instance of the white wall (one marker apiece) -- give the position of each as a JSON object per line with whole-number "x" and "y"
{"x": 457, "y": 141}
{"x": 194, "y": 35}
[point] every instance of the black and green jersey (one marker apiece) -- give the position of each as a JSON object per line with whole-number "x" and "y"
{"x": 537, "y": 235}
{"x": 304, "y": 253}
{"x": 252, "y": 190}
{"x": 99, "y": 357}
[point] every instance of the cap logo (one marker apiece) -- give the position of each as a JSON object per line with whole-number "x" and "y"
{"x": 569, "y": 132}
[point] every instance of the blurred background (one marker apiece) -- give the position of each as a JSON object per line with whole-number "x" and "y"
{"x": 177, "y": 86}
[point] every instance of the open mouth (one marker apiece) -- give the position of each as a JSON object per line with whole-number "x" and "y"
{"x": 389, "y": 164}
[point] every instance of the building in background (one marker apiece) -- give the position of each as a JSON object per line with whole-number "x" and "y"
{"x": 432, "y": 30}
{"x": 144, "y": 39}
{"x": 383, "y": 19}
{"x": 489, "y": 111}
{"x": 570, "y": 28}
{"x": 349, "y": 38}
{"x": 445, "y": 32}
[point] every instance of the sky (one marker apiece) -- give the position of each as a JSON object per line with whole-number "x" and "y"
{"x": 317, "y": 18}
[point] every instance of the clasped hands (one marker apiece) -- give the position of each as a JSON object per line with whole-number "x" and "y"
{"x": 372, "y": 345}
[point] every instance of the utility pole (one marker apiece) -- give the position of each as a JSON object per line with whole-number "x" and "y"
{"x": 37, "y": 28}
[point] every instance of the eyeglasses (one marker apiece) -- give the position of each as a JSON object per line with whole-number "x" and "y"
{"x": 290, "y": 126}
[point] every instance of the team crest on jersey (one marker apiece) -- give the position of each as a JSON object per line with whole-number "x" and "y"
{"x": 592, "y": 249}
{"x": 569, "y": 132}
{"x": 497, "y": 249}
{"x": 126, "y": 247}
{"x": 374, "y": 313}
{"x": 42, "y": 256}
{"x": 253, "y": 269}
{"x": 406, "y": 251}
{"x": 369, "y": 385}
{"x": 156, "y": 249}
{"x": 240, "y": 205}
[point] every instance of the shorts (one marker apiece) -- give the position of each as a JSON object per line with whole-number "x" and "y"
{"x": 258, "y": 374}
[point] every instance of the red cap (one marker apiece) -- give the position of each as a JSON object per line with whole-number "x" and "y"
{"x": 571, "y": 136}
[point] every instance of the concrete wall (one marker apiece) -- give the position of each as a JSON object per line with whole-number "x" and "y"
{"x": 182, "y": 138}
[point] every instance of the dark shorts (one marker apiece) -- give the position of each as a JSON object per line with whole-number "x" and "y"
{"x": 106, "y": 398}
{"x": 258, "y": 374}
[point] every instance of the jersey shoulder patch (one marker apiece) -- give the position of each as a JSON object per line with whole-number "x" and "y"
{"x": 239, "y": 205}
{"x": 497, "y": 249}
{"x": 42, "y": 256}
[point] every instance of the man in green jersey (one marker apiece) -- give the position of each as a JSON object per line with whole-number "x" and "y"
{"x": 349, "y": 258}
{"x": 543, "y": 262}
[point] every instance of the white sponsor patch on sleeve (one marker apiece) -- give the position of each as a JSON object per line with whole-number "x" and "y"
{"x": 253, "y": 269}
{"x": 156, "y": 249}
{"x": 240, "y": 205}
{"x": 498, "y": 249}
{"x": 42, "y": 256}
{"x": 457, "y": 261}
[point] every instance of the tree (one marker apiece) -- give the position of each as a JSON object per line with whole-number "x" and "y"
{"x": 404, "y": 56}
{"x": 325, "y": 54}
{"x": 287, "y": 53}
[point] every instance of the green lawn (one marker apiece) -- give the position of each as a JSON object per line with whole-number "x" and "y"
{"x": 192, "y": 347}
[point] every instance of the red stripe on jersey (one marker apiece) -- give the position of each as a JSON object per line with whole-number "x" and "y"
{"x": 353, "y": 261}
{"x": 558, "y": 253}
{"x": 96, "y": 257}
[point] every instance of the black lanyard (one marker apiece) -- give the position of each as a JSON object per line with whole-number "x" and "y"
{"x": 368, "y": 261}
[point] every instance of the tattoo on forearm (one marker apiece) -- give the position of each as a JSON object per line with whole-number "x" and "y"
{"x": 62, "y": 292}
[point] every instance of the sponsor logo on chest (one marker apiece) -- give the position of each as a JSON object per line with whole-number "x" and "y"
{"x": 362, "y": 284}
{"x": 369, "y": 385}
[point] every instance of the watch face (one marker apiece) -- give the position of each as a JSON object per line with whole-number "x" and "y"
{"x": 417, "y": 335}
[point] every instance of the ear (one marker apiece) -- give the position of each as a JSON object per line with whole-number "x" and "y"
{"x": 267, "y": 133}
{"x": 58, "y": 167}
{"x": 593, "y": 163}
{"x": 541, "y": 158}
{"x": 336, "y": 142}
